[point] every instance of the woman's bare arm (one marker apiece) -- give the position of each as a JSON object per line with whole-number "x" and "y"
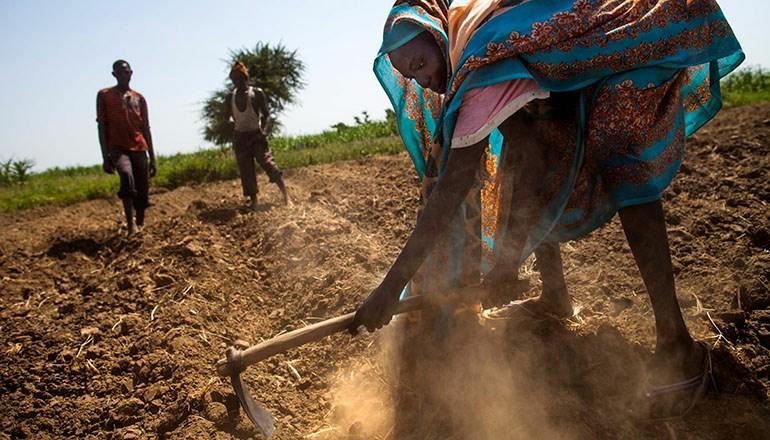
{"x": 449, "y": 193}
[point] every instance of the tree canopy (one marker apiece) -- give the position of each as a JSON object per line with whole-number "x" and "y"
{"x": 275, "y": 69}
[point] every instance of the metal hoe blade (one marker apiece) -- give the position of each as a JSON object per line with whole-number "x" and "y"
{"x": 260, "y": 417}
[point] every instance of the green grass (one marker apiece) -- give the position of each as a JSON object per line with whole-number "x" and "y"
{"x": 59, "y": 186}
{"x": 746, "y": 86}
{"x": 65, "y": 186}
{"x": 341, "y": 134}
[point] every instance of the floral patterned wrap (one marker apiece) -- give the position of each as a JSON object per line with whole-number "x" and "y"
{"x": 647, "y": 73}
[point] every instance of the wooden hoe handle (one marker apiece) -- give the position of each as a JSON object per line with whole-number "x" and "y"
{"x": 302, "y": 336}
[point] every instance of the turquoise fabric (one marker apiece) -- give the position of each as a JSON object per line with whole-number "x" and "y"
{"x": 607, "y": 50}
{"x": 720, "y": 50}
{"x": 418, "y": 123}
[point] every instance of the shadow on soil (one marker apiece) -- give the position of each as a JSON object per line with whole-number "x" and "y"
{"x": 534, "y": 380}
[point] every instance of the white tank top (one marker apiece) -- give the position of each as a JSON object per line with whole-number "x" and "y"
{"x": 247, "y": 120}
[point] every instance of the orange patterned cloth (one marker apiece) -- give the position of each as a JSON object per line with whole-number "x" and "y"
{"x": 239, "y": 67}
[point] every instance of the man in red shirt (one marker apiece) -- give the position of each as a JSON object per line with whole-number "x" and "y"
{"x": 124, "y": 135}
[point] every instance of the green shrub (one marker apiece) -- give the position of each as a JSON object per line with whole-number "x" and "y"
{"x": 746, "y": 86}
{"x": 363, "y": 129}
{"x": 15, "y": 172}
{"x": 6, "y": 170}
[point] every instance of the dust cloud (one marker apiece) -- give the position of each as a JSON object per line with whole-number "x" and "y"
{"x": 465, "y": 381}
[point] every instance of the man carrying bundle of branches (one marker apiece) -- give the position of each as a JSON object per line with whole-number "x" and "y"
{"x": 248, "y": 108}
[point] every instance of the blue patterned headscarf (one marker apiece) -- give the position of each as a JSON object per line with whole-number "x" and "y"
{"x": 400, "y": 33}
{"x": 417, "y": 109}
{"x": 417, "y": 112}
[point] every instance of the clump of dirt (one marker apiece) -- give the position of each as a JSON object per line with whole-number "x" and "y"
{"x": 106, "y": 337}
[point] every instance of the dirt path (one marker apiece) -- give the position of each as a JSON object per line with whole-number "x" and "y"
{"x": 104, "y": 337}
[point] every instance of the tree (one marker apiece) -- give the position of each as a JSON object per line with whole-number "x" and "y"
{"x": 275, "y": 69}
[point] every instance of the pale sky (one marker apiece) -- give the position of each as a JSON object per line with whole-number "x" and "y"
{"x": 57, "y": 54}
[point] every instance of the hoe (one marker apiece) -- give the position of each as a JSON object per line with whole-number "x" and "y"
{"x": 237, "y": 361}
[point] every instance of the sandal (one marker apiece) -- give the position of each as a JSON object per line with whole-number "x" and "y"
{"x": 515, "y": 310}
{"x": 689, "y": 391}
